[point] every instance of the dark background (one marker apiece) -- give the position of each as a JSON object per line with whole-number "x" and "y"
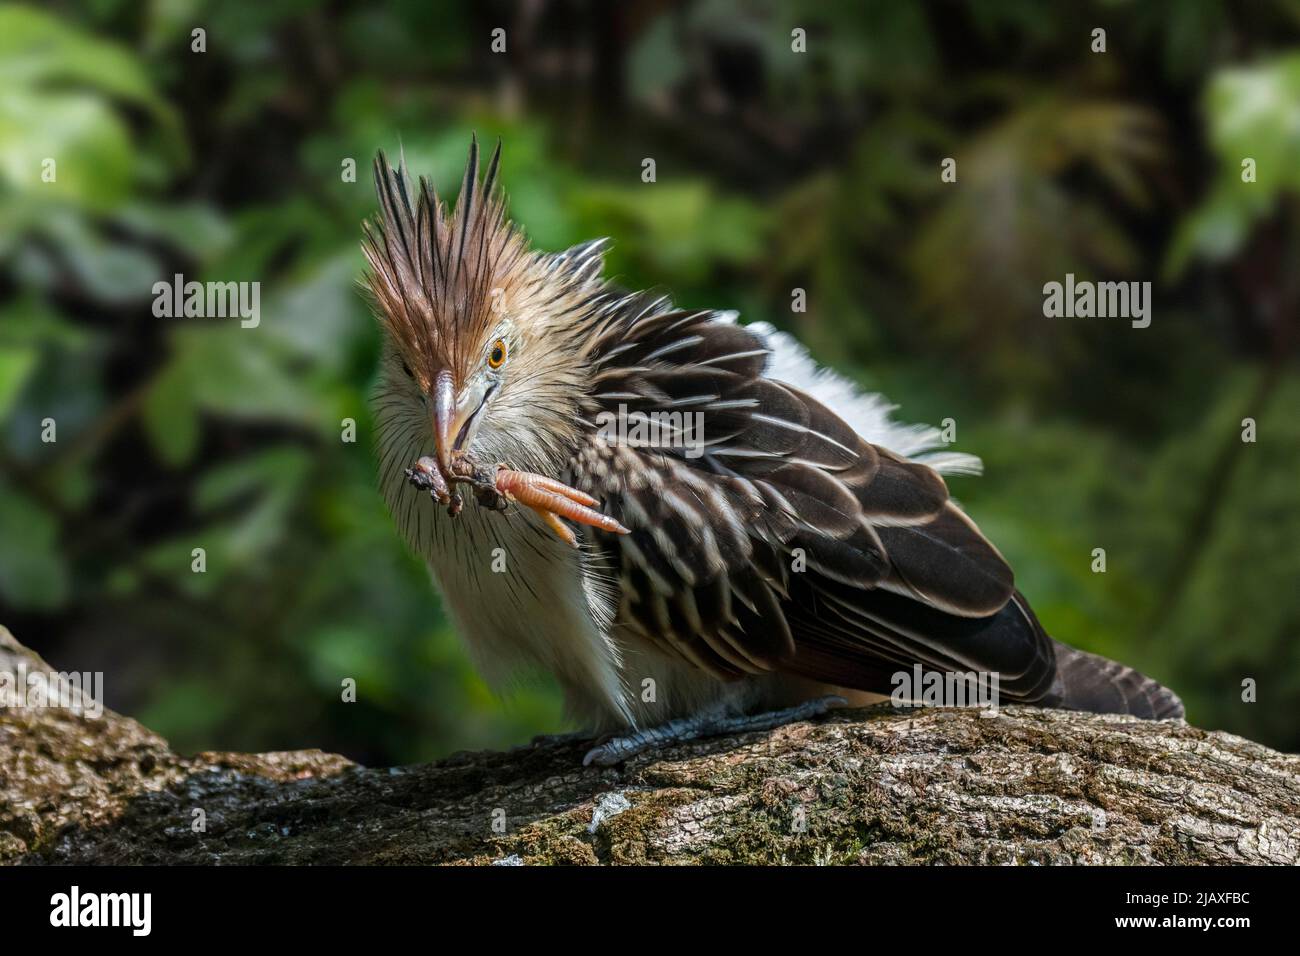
{"x": 776, "y": 170}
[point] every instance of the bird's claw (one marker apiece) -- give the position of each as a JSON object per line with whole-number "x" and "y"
{"x": 554, "y": 500}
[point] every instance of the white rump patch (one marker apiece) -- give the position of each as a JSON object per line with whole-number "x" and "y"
{"x": 867, "y": 413}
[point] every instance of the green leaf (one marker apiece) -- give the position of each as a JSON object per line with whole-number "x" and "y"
{"x": 277, "y": 472}
{"x": 78, "y": 132}
{"x": 239, "y": 371}
{"x": 16, "y": 364}
{"x": 319, "y": 315}
{"x": 41, "y": 51}
{"x": 197, "y": 229}
{"x": 111, "y": 271}
{"x": 170, "y": 418}
{"x": 1253, "y": 113}
{"x": 33, "y": 575}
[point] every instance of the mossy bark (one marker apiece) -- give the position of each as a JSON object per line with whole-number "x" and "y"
{"x": 869, "y": 786}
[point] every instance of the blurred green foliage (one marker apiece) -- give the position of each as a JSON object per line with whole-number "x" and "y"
{"x": 775, "y": 170}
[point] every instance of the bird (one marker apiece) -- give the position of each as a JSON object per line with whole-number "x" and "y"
{"x": 780, "y": 546}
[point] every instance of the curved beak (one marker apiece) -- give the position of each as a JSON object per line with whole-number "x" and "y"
{"x": 454, "y": 416}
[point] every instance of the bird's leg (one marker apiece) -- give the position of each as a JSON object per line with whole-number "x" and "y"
{"x": 706, "y": 724}
{"x": 552, "y": 500}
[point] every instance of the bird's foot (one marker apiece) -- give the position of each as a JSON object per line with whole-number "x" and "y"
{"x": 704, "y": 725}
{"x": 554, "y": 500}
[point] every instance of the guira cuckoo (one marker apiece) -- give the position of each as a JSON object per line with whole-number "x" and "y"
{"x": 803, "y": 545}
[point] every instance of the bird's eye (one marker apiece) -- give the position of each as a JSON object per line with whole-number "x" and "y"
{"x": 497, "y": 357}
{"x": 407, "y": 369}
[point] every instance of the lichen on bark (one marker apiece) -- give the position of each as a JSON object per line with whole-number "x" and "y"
{"x": 873, "y": 786}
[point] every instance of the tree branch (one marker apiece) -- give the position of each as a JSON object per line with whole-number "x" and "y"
{"x": 871, "y": 786}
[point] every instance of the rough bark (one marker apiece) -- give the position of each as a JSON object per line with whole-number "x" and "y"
{"x": 870, "y": 786}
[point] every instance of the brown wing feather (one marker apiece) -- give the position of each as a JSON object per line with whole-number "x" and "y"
{"x": 791, "y": 543}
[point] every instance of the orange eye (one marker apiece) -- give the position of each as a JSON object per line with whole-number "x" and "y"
{"x": 497, "y": 357}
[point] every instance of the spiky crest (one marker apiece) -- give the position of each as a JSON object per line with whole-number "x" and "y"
{"x": 433, "y": 275}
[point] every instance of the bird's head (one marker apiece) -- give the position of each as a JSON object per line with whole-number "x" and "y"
{"x": 484, "y": 337}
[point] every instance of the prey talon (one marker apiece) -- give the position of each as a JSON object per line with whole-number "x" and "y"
{"x": 554, "y": 500}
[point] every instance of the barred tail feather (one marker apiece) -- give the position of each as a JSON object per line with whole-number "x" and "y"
{"x": 1093, "y": 683}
